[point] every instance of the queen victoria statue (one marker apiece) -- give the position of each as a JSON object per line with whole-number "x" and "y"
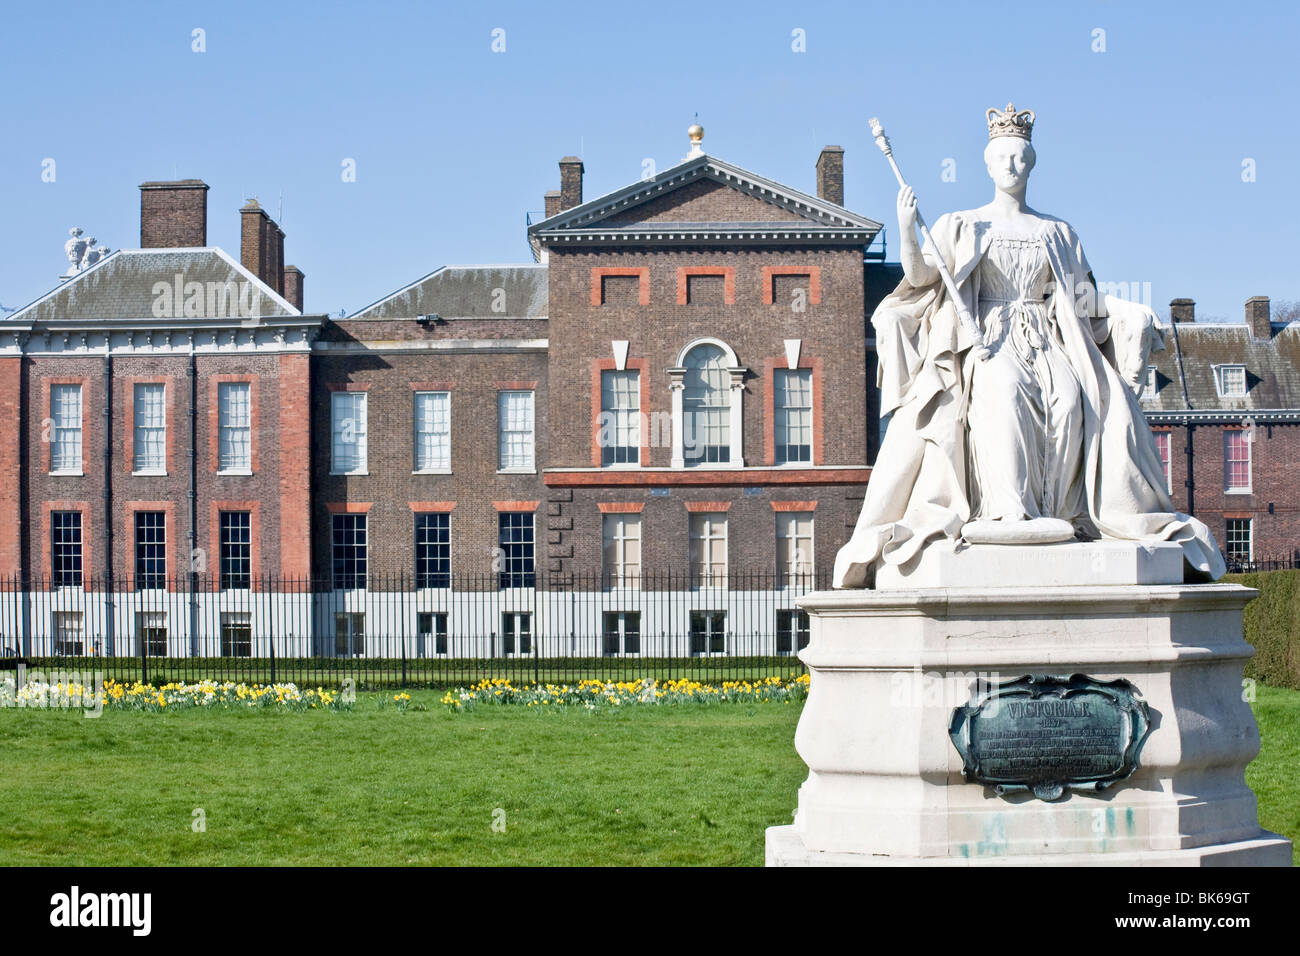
{"x": 1014, "y": 410}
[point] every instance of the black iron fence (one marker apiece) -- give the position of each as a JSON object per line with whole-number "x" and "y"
{"x": 408, "y": 631}
{"x": 1238, "y": 564}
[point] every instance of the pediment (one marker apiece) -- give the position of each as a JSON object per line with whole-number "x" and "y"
{"x": 703, "y": 199}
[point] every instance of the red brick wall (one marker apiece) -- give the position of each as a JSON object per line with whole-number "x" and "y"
{"x": 11, "y": 518}
{"x": 294, "y": 440}
{"x": 473, "y": 486}
{"x": 1273, "y": 482}
{"x": 755, "y": 327}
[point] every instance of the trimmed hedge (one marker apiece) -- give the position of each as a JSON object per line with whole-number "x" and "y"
{"x": 1272, "y": 625}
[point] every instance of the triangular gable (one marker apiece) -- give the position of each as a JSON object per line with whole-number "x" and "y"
{"x": 706, "y": 197}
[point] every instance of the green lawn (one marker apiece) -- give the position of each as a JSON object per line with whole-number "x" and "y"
{"x": 1275, "y": 774}
{"x": 683, "y": 785}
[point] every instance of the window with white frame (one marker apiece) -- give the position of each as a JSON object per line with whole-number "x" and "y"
{"x": 433, "y": 431}
{"x": 708, "y": 544}
{"x": 622, "y": 632}
{"x": 1163, "y": 443}
{"x": 236, "y": 531}
{"x": 150, "y": 438}
{"x": 1231, "y": 380}
{"x": 1236, "y": 460}
{"x": 622, "y": 549}
{"x": 69, "y": 633}
{"x": 430, "y": 633}
{"x": 349, "y": 633}
{"x": 348, "y": 551}
{"x": 708, "y": 632}
{"x": 515, "y": 431}
{"x": 234, "y": 427}
{"x": 517, "y": 559}
{"x": 236, "y": 634}
{"x": 433, "y": 550}
{"x": 151, "y": 632}
{"x": 150, "y": 550}
{"x": 65, "y": 548}
{"x": 1149, "y": 386}
{"x": 516, "y": 632}
{"x": 706, "y": 407}
{"x": 65, "y": 431}
{"x": 620, "y": 411}
{"x": 348, "y": 433}
{"x": 793, "y": 630}
{"x": 1238, "y": 540}
{"x": 794, "y": 546}
{"x": 794, "y": 426}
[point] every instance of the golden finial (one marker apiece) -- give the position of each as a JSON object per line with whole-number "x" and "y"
{"x": 696, "y": 133}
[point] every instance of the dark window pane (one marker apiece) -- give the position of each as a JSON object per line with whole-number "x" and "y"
{"x": 150, "y": 550}
{"x": 65, "y": 548}
{"x": 348, "y": 551}
{"x": 433, "y": 550}
{"x": 517, "y": 559}
{"x": 236, "y": 549}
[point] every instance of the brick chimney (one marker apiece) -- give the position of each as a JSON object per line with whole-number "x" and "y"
{"x": 1182, "y": 310}
{"x": 1257, "y": 317}
{"x": 552, "y": 201}
{"x": 293, "y": 277}
{"x": 571, "y": 171}
{"x": 261, "y": 245}
{"x": 830, "y": 175}
{"x": 174, "y": 215}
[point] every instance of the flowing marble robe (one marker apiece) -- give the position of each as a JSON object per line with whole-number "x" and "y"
{"x": 918, "y": 491}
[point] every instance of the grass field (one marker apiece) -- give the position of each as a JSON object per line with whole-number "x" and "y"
{"x": 671, "y": 785}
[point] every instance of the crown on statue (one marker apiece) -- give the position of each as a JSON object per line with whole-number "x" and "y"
{"x": 1010, "y": 123}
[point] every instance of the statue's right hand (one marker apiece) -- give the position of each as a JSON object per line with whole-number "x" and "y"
{"x": 906, "y": 209}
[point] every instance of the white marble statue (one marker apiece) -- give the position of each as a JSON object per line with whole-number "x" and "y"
{"x": 82, "y": 253}
{"x": 75, "y": 249}
{"x": 1034, "y": 434}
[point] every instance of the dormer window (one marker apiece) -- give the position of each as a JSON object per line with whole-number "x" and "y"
{"x": 1149, "y": 385}
{"x": 1230, "y": 380}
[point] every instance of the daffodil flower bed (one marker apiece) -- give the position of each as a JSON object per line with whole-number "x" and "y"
{"x": 595, "y": 694}
{"x": 204, "y": 694}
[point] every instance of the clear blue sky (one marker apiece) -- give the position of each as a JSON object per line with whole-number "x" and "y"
{"x": 1140, "y": 147}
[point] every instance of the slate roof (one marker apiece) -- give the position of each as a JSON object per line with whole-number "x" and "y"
{"x": 468, "y": 292}
{"x": 1272, "y": 368}
{"x": 122, "y": 286}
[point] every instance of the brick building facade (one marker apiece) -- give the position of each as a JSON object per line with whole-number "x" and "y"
{"x": 672, "y": 407}
{"x": 1224, "y": 401}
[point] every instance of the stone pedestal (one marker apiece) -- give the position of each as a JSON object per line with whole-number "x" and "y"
{"x": 889, "y": 666}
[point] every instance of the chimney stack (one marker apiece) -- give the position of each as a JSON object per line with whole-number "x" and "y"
{"x": 174, "y": 215}
{"x": 261, "y": 245}
{"x": 293, "y": 277}
{"x": 571, "y": 171}
{"x": 1182, "y": 310}
{"x": 1257, "y": 317}
{"x": 552, "y": 203}
{"x": 830, "y": 175}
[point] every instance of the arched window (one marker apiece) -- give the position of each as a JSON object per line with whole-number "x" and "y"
{"x": 707, "y": 389}
{"x": 706, "y": 407}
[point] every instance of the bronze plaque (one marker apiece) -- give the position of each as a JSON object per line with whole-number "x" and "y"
{"x": 1048, "y": 734}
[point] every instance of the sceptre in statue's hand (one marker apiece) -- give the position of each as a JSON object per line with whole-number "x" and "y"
{"x": 909, "y": 214}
